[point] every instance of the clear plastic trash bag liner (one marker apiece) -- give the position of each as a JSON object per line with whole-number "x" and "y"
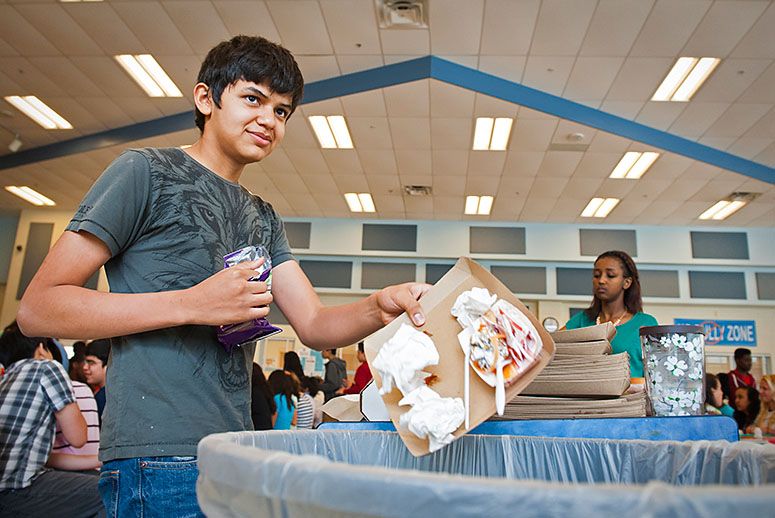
{"x": 367, "y": 473}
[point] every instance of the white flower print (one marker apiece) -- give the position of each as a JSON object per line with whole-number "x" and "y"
{"x": 679, "y": 340}
{"x": 696, "y": 356}
{"x": 665, "y": 341}
{"x": 696, "y": 372}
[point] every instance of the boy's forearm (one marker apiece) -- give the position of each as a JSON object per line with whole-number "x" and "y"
{"x": 337, "y": 326}
{"x": 73, "y": 312}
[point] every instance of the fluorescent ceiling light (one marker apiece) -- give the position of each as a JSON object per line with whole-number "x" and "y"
{"x": 492, "y": 134}
{"x": 331, "y": 131}
{"x": 38, "y": 111}
{"x": 478, "y": 205}
{"x": 360, "y": 202}
{"x": 633, "y": 165}
{"x": 30, "y": 195}
{"x": 149, "y": 75}
{"x": 599, "y": 207}
{"x": 723, "y": 209}
{"x": 685, "y": 78}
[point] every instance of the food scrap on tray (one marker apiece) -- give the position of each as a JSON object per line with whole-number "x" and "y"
{"x": 499, "y": 341}
{"x": 400, "y": 362}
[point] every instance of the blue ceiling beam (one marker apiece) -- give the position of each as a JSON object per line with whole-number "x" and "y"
{"x": 415, "y": 70}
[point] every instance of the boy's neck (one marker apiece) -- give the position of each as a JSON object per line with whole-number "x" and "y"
{"x": 212, "y": 157}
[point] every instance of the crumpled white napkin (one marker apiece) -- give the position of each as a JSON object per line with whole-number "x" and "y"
{"x": 471, "y": 305}
{"x": 401, "y": 360}
{"x": 433, "y": 416}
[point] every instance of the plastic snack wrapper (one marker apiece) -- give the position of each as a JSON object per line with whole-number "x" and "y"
{"x": 232, "y": 336}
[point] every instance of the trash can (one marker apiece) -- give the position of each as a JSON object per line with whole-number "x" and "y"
{"x": 371, "y": 473}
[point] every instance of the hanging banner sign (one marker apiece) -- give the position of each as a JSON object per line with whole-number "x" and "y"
{"x": 736, "y": 333}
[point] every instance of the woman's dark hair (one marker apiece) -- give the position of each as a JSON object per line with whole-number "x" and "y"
{"x": 14, "y": 346}
{"x": 723, "y": 378}
{"x": 260, "y": 386}
{"x": 312, "y": 384}
{"x": 292, "y": 363}
{"x": 254, "y": 59}
{"x": 747, "y": 418}
{"x": 281, "y": 383}
{"x": 632, "y": 298}
{"x": 710, "y": 382}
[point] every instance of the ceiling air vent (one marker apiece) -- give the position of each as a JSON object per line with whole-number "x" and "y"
{"x": 402, "y": 14}
{"x": 417, "y": 190}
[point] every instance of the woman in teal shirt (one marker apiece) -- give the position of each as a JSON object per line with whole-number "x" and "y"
{"x": 616, "y": 299}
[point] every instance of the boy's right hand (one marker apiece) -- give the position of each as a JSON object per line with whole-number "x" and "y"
{"x": 227, "y": 297}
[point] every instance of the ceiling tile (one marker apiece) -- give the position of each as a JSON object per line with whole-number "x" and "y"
{"x": 681, "y": 190}
{"x": 764, "y": 128}
{"x": 421, "y": 204}
{"x": 515, "y": 187}
{"x": 761, "y": 91}
{"x": 737, "y": 119}
{"x": 660, "y": 115}
{"x": 722, "y": 27}
{"x": 507, "y": 209}
{"x": 370, "y": 132}
{"x": 561, "y": 27}
{"x": 22, "y": 35}
{"x": 60, "y": 29}
{"x": 365, "y": 104}
{"x": 596, "y": 165}
{"x": 351, "y": 183}
{"x": 289, "y": 17}
{"x": 32, "y": 80}
{"x": 307, "y": 161}
{"x": 566, "y": 210}
{"x": 715, "y": 191}
{"x": 509, "y": 27}
{"x": 381, "y": 162}
{"x": 510, "y": 68}
{"x": 523, "y": 163}
{"x": 482, "y": 185}
{"x": 448, "y": 204}
{"x": 625, "y": 109}
{"x": 349, "y": 64}
{"x": 547, "y": 187}
{"x": 413, "y": 161}
{"x": 385, "y": 204}
{"x": 247, "y": 17}
{"x": 668, "y": 27}
{"x": 455, "y": 26}
{"x": 613, "y": 187}
{"x": 383, "y": 183}
{"x": 592, "y": 77}
{"x": 410, "y": 133}
{"x": 536, "y": 209}
{"x": 669, "y": 166}
{"x": 450, "y": 162}
{"x": 486, "y": 163}
{"x": 316, "y": 68}
{"x": 289, "y": 183}
{"x": 559, "y": 164}
{"x": 449, "y": 185}
{"x": 697, "y": 118}
{"x": 486, "y": 106}
{"x": 342, "y": 161}
{"x": 408, "y": 100}
{"x": 731, "y": 79}
{"x": 548, "y": 74}
{"x": 450, "y": 101}
{"x": 532, "y": 135}
{"x": 7, "y": 50}
{"x": 412, "y": 43}
{"x": 104, "y": 26}
{"x": 604, "y": 142}
{"x": 758, "y": 43}
{"x": 639, "y": 78}
{"x": 580, "y": 189}
{"x": 749, "y": 147}
{"x": 325, "y": 107}
{"x": 614, "y": 27}
{"x": 298, "y": 134}
{"x": 352, "y": 26}
{"x": 278, "y": 163}
{"x": 108, "y": 76}
{"x": 321, "y": 184}
{"x": 61, "y": 71}
{"x": 448, "y": 133}
{"x": 161, "y": 37}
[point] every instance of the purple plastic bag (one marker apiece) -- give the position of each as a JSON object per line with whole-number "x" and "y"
{"x": 232, "y": 336}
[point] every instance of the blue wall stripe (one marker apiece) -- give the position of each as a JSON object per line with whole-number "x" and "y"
{"x": 414, "y": 70}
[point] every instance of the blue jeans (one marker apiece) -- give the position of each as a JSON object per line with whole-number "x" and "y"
{"x": 150, "y": 486}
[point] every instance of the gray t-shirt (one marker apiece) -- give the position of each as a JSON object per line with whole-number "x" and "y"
{"x": 168, "y": 221}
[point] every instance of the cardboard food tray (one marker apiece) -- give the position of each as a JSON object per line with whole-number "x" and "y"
{"x": 443, "y": 329}
{"x": 575, "y": 388}
{"x": 597, "y": 347}
{"x": 604, "y": 331}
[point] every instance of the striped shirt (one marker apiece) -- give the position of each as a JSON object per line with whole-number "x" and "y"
{"x": 306, "y": 412}
{"x": 31, "y": 392}
{"x": 88, "y": 406}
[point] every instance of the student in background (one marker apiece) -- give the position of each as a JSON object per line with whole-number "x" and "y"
{"x": 305, "y": 407}
{"x": 35, "y": 393}
{"x": 262, "y": 406}
{"x": 714, "y": 397}
{"x": 95, "y": 368}
{"x": 616, "y": 299}
{"x": 741, "y": 375}
{"x": 283, "y": 390}
{"x": 75, "y": 370}
{"x": 765, "y": 421}
{"x": 747, "y": 406}
{"x": 336, "y": 374}
{"x": 362, "y": 374}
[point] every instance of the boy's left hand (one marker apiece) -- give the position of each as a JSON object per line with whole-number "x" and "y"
{"x": 394, "y": 300}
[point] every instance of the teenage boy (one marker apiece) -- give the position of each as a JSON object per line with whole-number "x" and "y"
{"x": 95, "y": 368}
{"x": 336, "y": 373}
{"x": 161, "y": 220}
{"x": 36, "y": 395}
